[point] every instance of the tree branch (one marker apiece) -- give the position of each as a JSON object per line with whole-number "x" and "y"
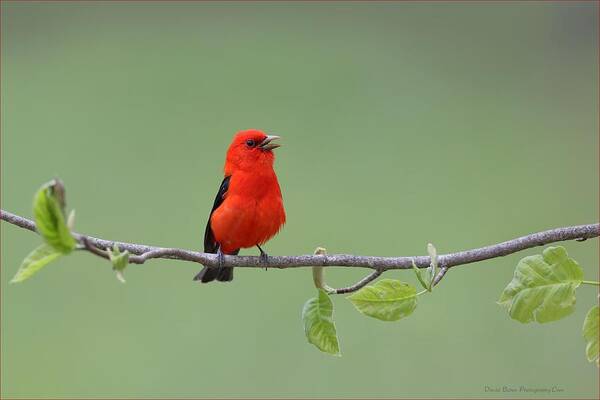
{"x": 141, "y": 253}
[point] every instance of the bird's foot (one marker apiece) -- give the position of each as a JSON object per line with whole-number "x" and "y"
{"x": 220, "y": 258}
{"x": 264, "y": 257}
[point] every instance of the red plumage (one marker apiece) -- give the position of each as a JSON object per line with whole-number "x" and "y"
{"x": 248, "y": 210}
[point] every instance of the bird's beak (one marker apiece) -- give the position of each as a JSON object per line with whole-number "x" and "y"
{"x": 267, "y": 144}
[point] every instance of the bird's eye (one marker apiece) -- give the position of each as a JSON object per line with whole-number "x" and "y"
{"x": 250, "y": 143}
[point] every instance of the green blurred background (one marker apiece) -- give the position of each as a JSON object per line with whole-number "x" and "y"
{"x": 460, "y": 124}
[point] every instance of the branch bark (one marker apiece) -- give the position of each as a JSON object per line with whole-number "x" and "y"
{"x": 142, "y": 253}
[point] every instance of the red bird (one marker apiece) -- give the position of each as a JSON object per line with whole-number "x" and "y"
{"x": 248, "y": 209}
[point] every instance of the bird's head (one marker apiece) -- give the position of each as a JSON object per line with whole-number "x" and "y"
{"x": 250, "y": 150}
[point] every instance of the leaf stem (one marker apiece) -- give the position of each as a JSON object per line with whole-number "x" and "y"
{"x": 422, "y": 291}
{"x": 595, "y": 283}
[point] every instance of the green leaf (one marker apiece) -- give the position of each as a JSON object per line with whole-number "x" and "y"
{"x": 119, "y": 261}
{"x": 590, "y": 333}
{"x": 543, "y": 287}
{"x": 420, "y": 276}
{"x": 387, "y": 300}
{"x": 34, "y": 261}
{"x": 48, "y": 210}
{"x": 317, "y": 316}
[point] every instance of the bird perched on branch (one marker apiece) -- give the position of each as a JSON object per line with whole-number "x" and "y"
{"x": 248, "y": 209}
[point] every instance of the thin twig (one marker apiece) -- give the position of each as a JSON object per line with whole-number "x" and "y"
{"x": 441, "y": 273}
{"x": 360, "y": 284}
{"x": 141, "y": 253}
{"x": 93, "y": 249}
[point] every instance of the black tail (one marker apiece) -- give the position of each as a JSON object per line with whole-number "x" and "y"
{"x": 222, "y": 274}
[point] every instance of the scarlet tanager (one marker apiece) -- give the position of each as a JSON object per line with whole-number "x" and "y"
{"x": 248, "y": 209}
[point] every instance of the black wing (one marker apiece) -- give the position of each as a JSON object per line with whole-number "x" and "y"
{"x": 210, "y": 245}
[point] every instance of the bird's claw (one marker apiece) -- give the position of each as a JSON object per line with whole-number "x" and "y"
{"x": 220, "y": 258}
{"x": 264, "y": 258}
